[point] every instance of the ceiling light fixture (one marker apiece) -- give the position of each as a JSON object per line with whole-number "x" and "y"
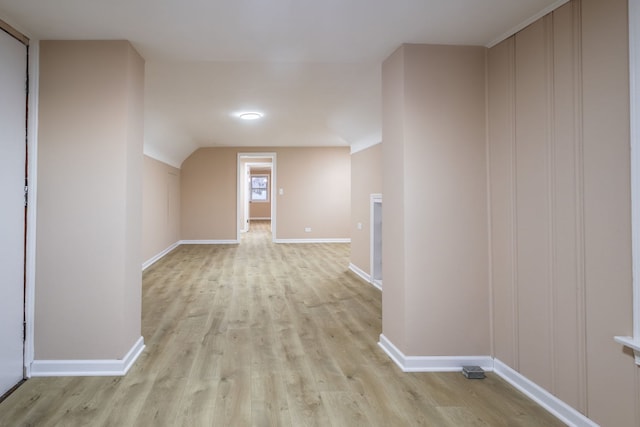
{"x": 250, "y": 116}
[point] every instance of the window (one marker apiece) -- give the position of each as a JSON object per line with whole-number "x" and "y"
{"x": 259, "y": 188}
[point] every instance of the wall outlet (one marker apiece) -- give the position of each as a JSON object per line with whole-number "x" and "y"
{"x": 281, "y": 191}
{"x": 307, "y": 229}
{"x": 359, "y": 226}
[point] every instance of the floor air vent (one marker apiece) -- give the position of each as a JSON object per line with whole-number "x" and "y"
{"x": 473, "y": 372}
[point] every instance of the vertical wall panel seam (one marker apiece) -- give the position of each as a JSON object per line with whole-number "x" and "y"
{"x": 513, "y": 118}
{"x": 580, "y": 213}
{"x": 551, "y": 196}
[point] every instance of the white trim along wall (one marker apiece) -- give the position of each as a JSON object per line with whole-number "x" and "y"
{"x": 555, "y": 406}
{"x": 88, "y": 368}
{"x": 375, "y": 240}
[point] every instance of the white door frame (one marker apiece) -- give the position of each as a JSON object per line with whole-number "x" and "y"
{"x": 241, "y": 182}
{"x": 247, "y": 194}
{"x": 32, "y": 172}
{"x": 32, "y": 52}
{"x": 244, "y": 196}
{"x": 375, "y": 241}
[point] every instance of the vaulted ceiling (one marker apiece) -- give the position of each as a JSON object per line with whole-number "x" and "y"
{"x": 311, "y": 67}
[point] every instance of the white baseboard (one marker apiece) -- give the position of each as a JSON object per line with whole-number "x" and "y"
{"x": 209, "y": 242}
{"x": 148, "y": 263}
{"x": 432, "y": 363}
{"x": 260, "y": 219}
{"x": 542, "y": 397}
{"x": 312, "y": 241}
{"x": 360, "y": 273}
{"x": 87, "y": 368}
{"x": 366, "y": 277}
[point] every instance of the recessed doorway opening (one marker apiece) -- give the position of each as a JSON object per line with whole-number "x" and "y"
{"x": 376, "y": 240}
{"x": 255, "y": 193}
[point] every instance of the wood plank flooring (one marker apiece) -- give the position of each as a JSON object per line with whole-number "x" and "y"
{"x": 259, "y": 334}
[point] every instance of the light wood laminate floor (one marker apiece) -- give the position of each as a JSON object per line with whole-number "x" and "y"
{"x": 259, "y": 334}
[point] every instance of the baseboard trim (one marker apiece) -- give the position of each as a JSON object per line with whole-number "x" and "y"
{"x": 312, "y": 240}
{"x": 266, "y": 218}
{"x": 148, "y": 263}
{"x": 88, "y": 368}
{"x": 542, "y": 397}
{"x": 364, "y": 276}
{"x": 209, "y": 242}
{"x": 432, "y": 363}
{"x": 359, "y": 272}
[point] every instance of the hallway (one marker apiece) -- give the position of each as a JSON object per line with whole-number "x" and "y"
{"x": 264, "y": 334}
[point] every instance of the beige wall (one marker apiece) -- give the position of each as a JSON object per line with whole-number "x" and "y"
{"x": 208, "y": 187}
{"x": 261, "y": 210}
{"x": 160, "y": 207}
{"x": 366, "y": 179}
{"x": 88, "y": 278}
{"x": 434, "y": 210}
{"x": 560, "y": 208}
{"x": 315, "y": 181}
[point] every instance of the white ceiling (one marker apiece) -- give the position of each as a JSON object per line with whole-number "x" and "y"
{"x": 312, "y": 67}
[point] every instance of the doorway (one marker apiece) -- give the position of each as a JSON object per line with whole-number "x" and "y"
{"x": 376, "y": 240}
{"x": 256, "y": 190}
{"x": 13, "y": 161}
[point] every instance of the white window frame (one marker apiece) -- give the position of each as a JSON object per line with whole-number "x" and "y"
{"x": 251, "y": 188}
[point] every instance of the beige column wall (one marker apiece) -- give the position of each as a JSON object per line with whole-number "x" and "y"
{"x": 315, "y": 184}
{"x": 88, "y": 278}
{"x": 366, "y": 179}
{"x": 560, "y": 207}
{"x": 438, "y": 130}
{"x": 160, "y": 207}
{"x": 393, "y": 210}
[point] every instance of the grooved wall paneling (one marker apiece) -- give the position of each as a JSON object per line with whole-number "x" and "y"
{"x": 534, "y": 226}
{"x": 502, "y": 200}
{"x": 607, "y": 207}
{"x": 559, "y": 202}
{"x": 566, "y": 199}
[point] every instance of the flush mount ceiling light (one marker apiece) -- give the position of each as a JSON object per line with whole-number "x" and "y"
{"x": 250, "y": 115}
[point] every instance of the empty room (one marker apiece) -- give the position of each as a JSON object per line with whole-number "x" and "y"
{"x": 281, "y": 213}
